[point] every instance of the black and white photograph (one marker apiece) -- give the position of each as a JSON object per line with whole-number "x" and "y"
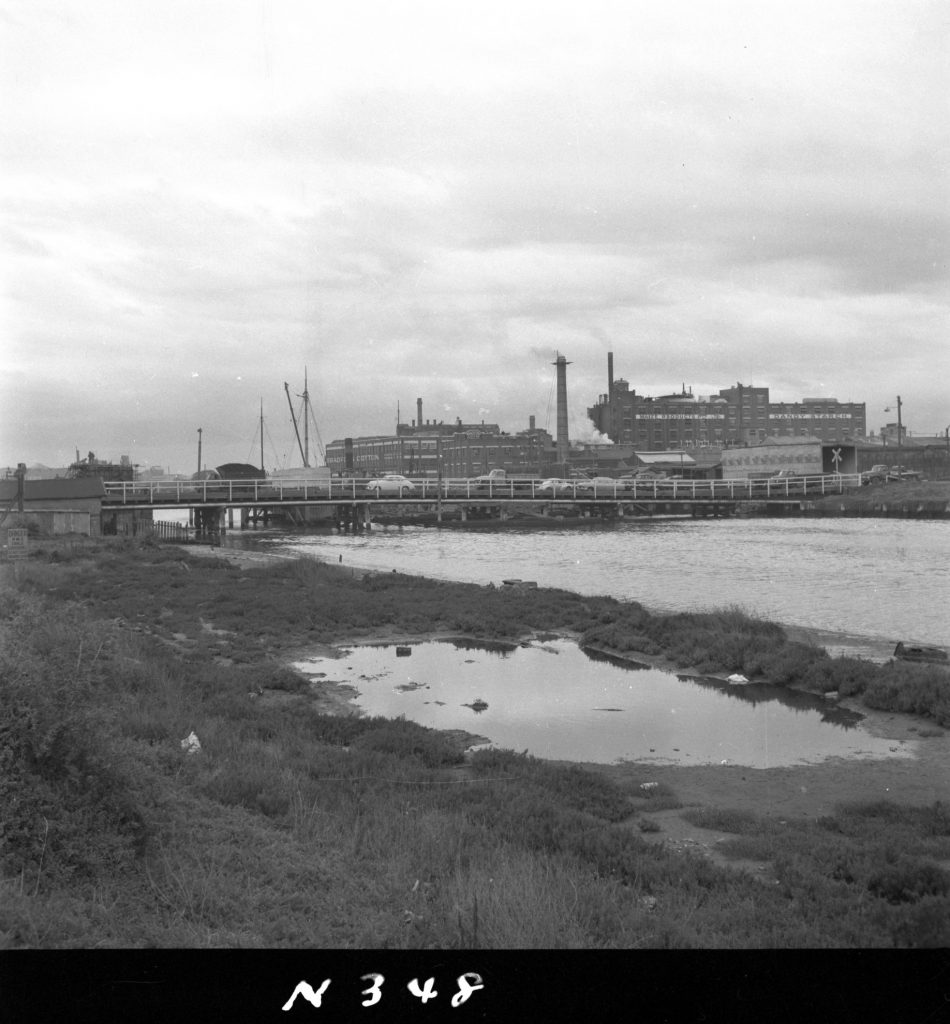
{"x": 474, "y": 482}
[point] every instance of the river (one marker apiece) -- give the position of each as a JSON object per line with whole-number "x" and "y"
{"x": 856, "y": 585}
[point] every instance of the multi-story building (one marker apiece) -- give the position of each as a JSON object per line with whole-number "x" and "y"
{"x": 456, "y": 449}
{"x": 826, "y": 418}
{"x": 682, "y": 420}
{"x": 737, "y": 415}
{"x": 471, "y": 452}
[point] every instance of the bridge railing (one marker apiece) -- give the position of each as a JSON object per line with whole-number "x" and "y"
{"x": 249, "y": 492}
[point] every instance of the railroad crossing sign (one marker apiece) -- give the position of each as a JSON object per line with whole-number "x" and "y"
{"x": 836, "y": 458}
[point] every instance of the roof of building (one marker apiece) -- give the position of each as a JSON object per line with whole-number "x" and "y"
{"x": 672, "y": 458}
{"x": 801, "y": 439}
{"x": 52, "y": 490}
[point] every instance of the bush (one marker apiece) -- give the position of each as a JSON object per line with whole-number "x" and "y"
{"x": 407, "y": 739}
{"x": 908, "y": 881}
{"x": 68, "y": 802}
{"x": 911, "y": 689}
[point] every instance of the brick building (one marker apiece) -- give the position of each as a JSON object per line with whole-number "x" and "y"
{"x": 738, "y": 415}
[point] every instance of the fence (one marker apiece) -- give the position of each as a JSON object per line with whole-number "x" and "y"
{"x": 171, "y": 531}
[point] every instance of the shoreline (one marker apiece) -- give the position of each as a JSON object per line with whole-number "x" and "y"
{"x": 870, "y": 648}
{"x": 806, "y": 790}
{"x": 219, "y": 751}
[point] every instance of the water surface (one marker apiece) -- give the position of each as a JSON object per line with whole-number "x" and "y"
{"x": 555, "y": 702}
{"x": 870, "y": 581}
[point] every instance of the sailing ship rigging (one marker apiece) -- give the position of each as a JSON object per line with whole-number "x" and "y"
{"x": 306, "y": 418}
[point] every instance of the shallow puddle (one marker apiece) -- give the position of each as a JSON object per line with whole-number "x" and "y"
{"x": 556, "y": 701}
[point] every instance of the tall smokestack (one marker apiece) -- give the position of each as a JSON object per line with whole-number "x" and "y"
{"x": 610, "y": 375}
{"x": 563, "y": 444}
{"x": 419, "y": 412}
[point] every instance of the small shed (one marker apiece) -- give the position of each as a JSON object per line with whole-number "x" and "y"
{"x": 675, "y": 462}
{"x": 55, "y": 506}
{"x": 803, "y": 456}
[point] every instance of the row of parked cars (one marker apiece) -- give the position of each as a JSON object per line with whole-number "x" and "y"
{"x": 499, "y": 484}
{"x": 495, "y": 483}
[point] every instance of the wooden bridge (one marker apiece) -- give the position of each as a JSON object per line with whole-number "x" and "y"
{"x": 355, "y": 500}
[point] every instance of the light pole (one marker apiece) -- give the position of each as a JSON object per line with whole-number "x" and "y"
{"x": 900, "y": 468}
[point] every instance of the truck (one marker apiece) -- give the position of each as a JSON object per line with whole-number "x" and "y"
{"x": 876, "y": 474}
{"x": 494, "y": 476}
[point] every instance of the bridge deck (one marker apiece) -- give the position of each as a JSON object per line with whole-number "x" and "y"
{"x": 428, "y": 492}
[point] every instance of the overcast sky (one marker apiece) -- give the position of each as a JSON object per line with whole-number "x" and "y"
{"x": 431, "y": 200}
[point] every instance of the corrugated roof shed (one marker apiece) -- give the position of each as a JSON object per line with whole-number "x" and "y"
{"x": 666, "y": 458}
{"x": 53, "y": 490}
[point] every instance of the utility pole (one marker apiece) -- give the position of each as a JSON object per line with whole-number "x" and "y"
{"x": 900, "y": 469}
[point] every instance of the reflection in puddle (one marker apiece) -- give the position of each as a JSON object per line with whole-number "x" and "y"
{"x": 552, "y": 700}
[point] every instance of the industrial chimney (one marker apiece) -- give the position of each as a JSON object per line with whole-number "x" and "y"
{"x": 419, "y": 412}
{"x": 610, "y": 376}
{"x": 563, "y": 445}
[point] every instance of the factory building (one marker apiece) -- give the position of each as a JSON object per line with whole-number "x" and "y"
{"x": 423, "y": 448}
{"x": 737, "y": 415}
{"x": 826, "y": 418}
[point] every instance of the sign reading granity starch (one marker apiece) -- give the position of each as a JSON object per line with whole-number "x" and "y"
{"x": 17, "y": 543}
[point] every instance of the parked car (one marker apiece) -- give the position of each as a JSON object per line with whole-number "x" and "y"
{"x": 555, "y": 485}
{"x": 391, "y": 483}
{"x": 599, "y": 485}
{"x": 876, "y": 474}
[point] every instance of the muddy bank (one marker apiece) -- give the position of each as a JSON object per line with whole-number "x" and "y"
{"x": 805, "y": 790}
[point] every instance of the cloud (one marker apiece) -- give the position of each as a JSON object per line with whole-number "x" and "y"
{"x": 416, "y": 200}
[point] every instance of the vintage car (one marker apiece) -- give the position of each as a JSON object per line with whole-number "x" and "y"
{"x": 389, "y": 484}
{"x": 599, "y": 485}
{"x": 554, "y": 485}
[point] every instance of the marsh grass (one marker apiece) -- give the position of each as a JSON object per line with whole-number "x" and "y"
{"x": 296, "y": 828}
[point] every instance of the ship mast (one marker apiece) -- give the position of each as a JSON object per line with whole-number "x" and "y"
{"x": 307, "y": 414}
{"x": 306, "y": 420}
{"x": 294, "y": 418}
